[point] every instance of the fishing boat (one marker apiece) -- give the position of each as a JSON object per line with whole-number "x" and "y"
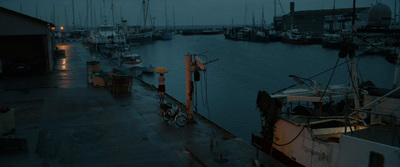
{"x": 332, "y": 41}
{"x": 238, "y": 33}
{"x": 140, "y": 34}
{"x": 211, "y": 32}
{"x": 342, "y": 125}
{"x": 295, "y": 37}
{"x": 166, "y": 35}
{"x": 136, "y": 36}
{"x": 247, "y": 34}
{"x": 130, "y": 59}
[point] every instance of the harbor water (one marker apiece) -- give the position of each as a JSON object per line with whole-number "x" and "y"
{"x": 227, "y": 90}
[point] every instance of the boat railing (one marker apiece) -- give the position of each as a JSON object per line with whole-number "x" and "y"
{"x": 328, "y": 118}
{"x": 355, "y": 111}
{"x": 379, "y": 99}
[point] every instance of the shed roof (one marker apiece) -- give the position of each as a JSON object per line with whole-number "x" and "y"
{"x": 2, "y": 9}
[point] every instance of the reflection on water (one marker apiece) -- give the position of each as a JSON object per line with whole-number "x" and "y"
{"x": 231, "y": 84}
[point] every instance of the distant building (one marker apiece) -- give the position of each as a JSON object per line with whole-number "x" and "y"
{"x": 318, "y": 22}
{"x": 26, "y": 43}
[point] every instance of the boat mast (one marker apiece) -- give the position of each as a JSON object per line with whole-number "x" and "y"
{"x": 254, "y": 24}
{"x": 245, "y": 16}
{"x": 112, "y": 8}
{"x": 173, "y": 17}
{"x": 262, "y": 18}
{"x": 353, "y": 64}
{"x": 87, "y": 15}
{"x": 144, "y": 14}
{"x": 66, "y": 17}
{"x": 395, "y": 9}
{"x": 36, "y": 11}
{"x": 104, "y": 12}
{"x": 54, "y": 14}
{"x": 166, "y": 18}
{"x": 333, "y": 16}
{"x": 274, "y": 8}
{"x": 73, "y": 14}
{"x": 91, "y": 13}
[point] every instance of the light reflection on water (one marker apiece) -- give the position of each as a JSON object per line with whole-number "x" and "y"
{"x": 243, "y": 69}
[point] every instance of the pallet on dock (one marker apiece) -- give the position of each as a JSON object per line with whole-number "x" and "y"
{"x": 101, "y": 79}
{"x": 121, "y": 84}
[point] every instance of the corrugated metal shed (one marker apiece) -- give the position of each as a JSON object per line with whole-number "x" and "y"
{"x": 26, "y": 43}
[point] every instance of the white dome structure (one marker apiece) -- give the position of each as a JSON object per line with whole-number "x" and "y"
{"x": 379, "y": 15}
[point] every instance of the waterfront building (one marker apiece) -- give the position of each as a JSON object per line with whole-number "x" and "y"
{"x": 27, "y": 44}
{"x": 316, "y": 21}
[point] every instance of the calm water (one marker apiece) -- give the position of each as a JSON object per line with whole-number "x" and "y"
{"x": 231, "y": 84}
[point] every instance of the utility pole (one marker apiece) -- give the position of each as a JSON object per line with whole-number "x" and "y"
{"x": 112, "y": 5}
{"x": 193, "y": 65}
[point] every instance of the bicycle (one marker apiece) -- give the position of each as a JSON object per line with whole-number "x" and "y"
{"x": 171, "y": 114}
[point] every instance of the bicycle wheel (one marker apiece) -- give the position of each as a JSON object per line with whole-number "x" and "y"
{"x": 165, "y": 115}
{"x": 180, "y": 120}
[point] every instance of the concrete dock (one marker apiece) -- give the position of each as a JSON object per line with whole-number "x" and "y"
{"x": 68, "y": 122}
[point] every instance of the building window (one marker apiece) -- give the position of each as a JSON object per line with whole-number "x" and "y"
{"x": 376, "y": 159}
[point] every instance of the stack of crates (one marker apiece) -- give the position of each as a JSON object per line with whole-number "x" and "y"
{"x": 121, "y": 84}
{"x": 92, "y": 67}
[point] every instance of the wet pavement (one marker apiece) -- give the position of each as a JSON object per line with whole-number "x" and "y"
{"x": 68, "y": 122}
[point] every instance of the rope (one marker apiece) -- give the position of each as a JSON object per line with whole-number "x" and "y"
{"x": 330, "y": 79}
{"x": 368, "y": 43}
{"x": 205, "y": 102}
{"x": 308, "y": 122}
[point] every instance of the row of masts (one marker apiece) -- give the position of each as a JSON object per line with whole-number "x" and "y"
{"x": 90, "y": 18}
{"x": 146, "y": 13}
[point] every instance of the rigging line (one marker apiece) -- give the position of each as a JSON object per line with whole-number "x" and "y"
{"x": 139, "y": 20}
{"x": 280, "y": 4}
{"x": 206, "y": 86}
{"x": 202, "y": 95}
{"x": 310, "y": 77}
{"x": 368, "y": 43}
{"x": 207, "y": 105}
{"x": 358, "y": 69}
{"x": 330, "y": 79}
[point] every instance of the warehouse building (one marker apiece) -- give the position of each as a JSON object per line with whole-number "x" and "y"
{"x": 316, "y": 22}
{"x": 26, "y": 43}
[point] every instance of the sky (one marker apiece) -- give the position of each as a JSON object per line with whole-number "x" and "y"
{"x": 178, "y": 12}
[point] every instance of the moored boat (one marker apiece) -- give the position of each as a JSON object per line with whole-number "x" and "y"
{"x": 129, "y": 58}
{"x": 166, "y": 36}
{"x": 356, "y": 125}
{"x": 247, "y": 34}
{"x": 333, "y": 41}
{"x": 295, "y": 37}
{"x": 211, "y": 32}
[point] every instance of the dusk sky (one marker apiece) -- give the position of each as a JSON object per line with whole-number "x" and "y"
{"x": 187, "y": 12}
